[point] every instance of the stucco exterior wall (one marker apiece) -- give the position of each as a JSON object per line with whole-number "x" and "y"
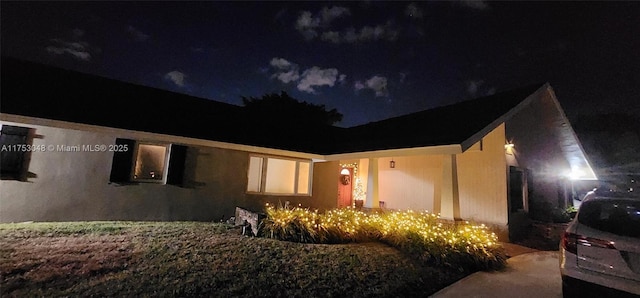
{"x": 74, "y": 186}
{"x": 482, "y": 181}
{"x": 414, "y": 183}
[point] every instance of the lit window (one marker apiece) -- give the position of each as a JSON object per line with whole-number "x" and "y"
{"x": 279, "y": 176}
{"x": 151, "y": 161}
{"x": 148, "y": 162}
{"x": 255, "y": 174}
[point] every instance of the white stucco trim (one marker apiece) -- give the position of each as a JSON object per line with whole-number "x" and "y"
{"x": 430, "y": 150}
{"x": 155, "y": 137}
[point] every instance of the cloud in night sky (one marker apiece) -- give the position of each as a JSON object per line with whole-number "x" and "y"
{"x": 77, "y": 49}
{"x": 315, "y": 77}
{"x": 309, "y": 79}
{"x": 342, "y": 78}
{"x": 136, "y": 34}
{"x": 281, "y": 63}
{"x": 74, "y": 46}
{"x": 477, "y": 88}
{"x": 286, "y": 71}
{"x": 342, "y": 54}
{"x": 318, "y": 25}
{"x": 413, "y": 11}
{"x": 307, "y": 24}
{"x": 367, "y": 33}
{"x": 176, "y": 77}
{"x": 376, "y": 83}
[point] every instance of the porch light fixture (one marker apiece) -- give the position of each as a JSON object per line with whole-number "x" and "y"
{"x": 344, "y": 171}
{"x": 508, "y": 148}
{"x": 392, "y": 164}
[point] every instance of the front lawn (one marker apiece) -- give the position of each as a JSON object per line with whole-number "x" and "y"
{"x": 190, "y": 259}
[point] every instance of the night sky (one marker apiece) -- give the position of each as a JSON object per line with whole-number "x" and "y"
{"x": 370, "y": 60}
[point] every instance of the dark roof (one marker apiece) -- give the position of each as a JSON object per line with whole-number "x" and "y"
{"x": 36, "y": 90}
{"x": 446, "y": 125}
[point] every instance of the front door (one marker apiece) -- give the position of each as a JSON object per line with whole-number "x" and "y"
{"x": 345, "y": 187}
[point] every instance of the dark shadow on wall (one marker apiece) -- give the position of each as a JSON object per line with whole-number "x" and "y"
{"x": 16, "y": 147}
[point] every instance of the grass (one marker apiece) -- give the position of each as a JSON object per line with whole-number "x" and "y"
{"x": 188, "y": 259}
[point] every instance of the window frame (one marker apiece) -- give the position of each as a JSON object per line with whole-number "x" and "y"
{"x": 296, "y": 177}
{"x": 165, "y": 166}
{"x": 123, "y": 163}
{"x": 23, "y": 156}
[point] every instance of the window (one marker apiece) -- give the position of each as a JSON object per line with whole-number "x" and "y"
{"x": 279, "y": 176}
{"x": 617, "y": 216}
{"x": 148, "y": 162}
{"x": 14, "y": 142}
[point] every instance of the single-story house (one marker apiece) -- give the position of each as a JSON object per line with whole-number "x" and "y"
{"x": 80, "y": 147}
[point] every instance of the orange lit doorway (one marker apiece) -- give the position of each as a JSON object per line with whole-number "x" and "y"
{"x": 345, "y": 187}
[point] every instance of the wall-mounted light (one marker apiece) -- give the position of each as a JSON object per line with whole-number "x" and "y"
{"x": 392, "y": 164}
{"x": 345, "y": 171}
{"x": 508, "y": 148}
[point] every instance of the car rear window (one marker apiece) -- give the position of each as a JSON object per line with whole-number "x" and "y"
{"x": 621, "y": 217}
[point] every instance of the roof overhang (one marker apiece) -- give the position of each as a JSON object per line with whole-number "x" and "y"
{"x": 570, "y": 145}
{"x": 566, "y": 137}
{"x": 429, "y": 150}
{"x": 156, "y": 137}
{"x": 502, "y": 119}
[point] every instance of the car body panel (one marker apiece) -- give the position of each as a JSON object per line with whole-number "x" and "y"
{"x": 607, "y": 237}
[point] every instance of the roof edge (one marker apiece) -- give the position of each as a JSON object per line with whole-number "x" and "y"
{"x": 135, "y": 134}
{"x": 429, "y": 150}
{"x": 591, "y": 175}
{"x": 466, "y": 144}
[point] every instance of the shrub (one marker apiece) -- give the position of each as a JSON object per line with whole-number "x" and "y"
{"x": 419, "y": 234}
{"x": 559, "y": 215}
{"x": 297, "y": 225}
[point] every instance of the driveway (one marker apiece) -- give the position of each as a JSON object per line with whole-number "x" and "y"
{"x": 531, "y": 274}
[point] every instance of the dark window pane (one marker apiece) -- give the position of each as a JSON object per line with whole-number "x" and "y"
{"x": 12, "y": 157}
{"x": 177, "y": 165}
{"x": 122, "y": 161}
{"x": 621, "y": 217}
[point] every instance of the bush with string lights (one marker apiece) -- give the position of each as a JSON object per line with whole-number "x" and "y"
{"x": 421, "y": 235}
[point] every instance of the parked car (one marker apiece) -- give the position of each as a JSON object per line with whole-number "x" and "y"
{"x": 600, "y": 249}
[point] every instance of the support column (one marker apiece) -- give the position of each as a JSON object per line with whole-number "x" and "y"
{"x": 450, "y": 197}
{"x": 373, "y": 201}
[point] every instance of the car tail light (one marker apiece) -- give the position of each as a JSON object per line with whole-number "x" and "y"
{"x": 594, "y": 242}
{"x": 570, "y": 242}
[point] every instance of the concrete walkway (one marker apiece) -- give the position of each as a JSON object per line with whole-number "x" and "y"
{"x": 531, "y": 274}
